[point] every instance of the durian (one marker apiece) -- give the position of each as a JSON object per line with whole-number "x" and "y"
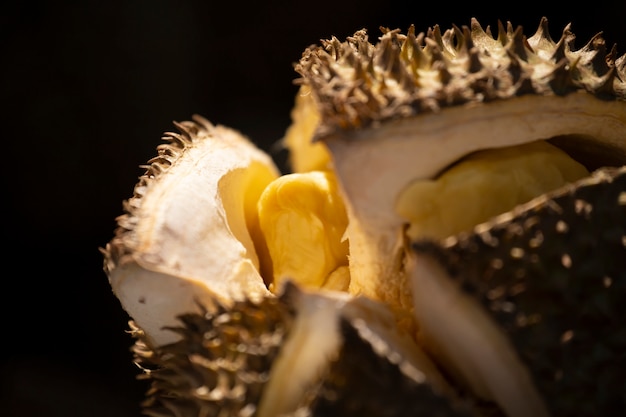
{"x": 337, "y": 289}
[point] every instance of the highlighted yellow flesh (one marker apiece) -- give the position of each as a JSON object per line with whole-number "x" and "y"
{"x": 303, "y": 220}
{"x": 483, "y": 185}
{"x": 304, "y": 154}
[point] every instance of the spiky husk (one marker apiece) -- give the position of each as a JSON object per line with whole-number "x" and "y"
{"x": 551, "y": 275}
{"x": 124, "y": 242}
{"x": 357, "y": 84}
{"x": 221, "y": 363}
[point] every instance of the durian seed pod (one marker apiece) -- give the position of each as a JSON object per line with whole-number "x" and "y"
{"x": 536, "y": 295}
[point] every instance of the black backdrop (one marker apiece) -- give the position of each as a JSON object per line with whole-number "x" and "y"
{"x": 88, "y": 87}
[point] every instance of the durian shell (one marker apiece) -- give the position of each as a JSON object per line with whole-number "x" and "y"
{"x": 230, "y": 361}
{"x": 219, "y": 365}
{"x": 551, "y": 277}
{"x": 358, "y": 85}
{"x": 370, "y": 378}
{"x": 185, "y": 237}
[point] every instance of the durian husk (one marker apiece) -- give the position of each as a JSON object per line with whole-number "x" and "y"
{"x": 219, "y": 364}
{"x": 185, "y": 238}
{"x": 533, "y": 301}
{"x": 300, "y": 354}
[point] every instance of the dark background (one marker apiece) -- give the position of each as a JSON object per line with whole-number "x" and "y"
{"x": 88, "y": 88}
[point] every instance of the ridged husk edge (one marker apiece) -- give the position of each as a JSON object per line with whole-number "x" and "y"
{"x": 123, "y": 243}
{"x": 357, "y": 84}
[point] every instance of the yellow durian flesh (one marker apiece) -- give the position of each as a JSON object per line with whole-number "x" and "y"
{"x": 304, "y": 154}
{"x": 483, "y": 185}
{"x": 303, "y": 221}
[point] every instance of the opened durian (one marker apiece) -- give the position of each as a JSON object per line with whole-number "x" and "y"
{"x": 451, "y": 240}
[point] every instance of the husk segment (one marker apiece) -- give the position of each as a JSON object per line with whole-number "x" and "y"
{"x": 550, "y": 277}
{"x": 357, "y": 84}
{"x": 298, "y": 354}
{"x": 220, "y": 364}
{"x": 371, "y": 378}
{"x": 187, "y": 232}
